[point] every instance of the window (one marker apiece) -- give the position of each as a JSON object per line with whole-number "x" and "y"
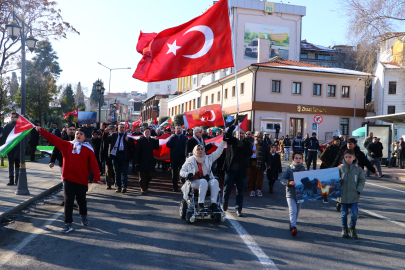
{"x": 270, "y": 126}
{"x": 344, "y": 126}
{"x": 226, "y": 93}
{"x": 317, "y": 89}
{"x": 233, "y": 91}
{"x": 345, "y": 91}
{"x": 391, "y": 109}
{"x": 275, "y": 86}
{"x": 331, "y": 90}
{"x": 297, "y": 88}
{"x": 242, "y": 88}
{"x": 212, "y": 98}
{"x": 206, "y": 100}
{"x": 392, "y": 89}
{"x": 219, "y": 96}
{"x": 323, "y": 56}
{"x": 304, "y": 56}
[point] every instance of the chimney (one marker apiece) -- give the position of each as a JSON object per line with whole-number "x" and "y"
{"x": 263, "y": 51}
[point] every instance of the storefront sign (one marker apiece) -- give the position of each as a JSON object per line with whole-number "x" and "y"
{"x": 269, "y": 7}
{"x": 310, "y": 109}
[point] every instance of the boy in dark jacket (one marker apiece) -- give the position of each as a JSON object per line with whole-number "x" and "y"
{"x": 275, "y": 167}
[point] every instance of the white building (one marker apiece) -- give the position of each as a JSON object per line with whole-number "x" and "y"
{"x": 161, "y": 88}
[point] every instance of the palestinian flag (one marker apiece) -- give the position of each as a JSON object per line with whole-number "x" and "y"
{"x": 13, "y": 133}
{"x": 167, "y": 122}
{"x": 242, "y": 122}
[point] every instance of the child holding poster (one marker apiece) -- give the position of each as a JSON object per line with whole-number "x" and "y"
{"x": 352, "y": 181}
{"x": 287, "y": 179}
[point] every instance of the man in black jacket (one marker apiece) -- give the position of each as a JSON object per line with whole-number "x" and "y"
{"x": 287, "y": 147}
{"x": 34, "y": 139}
{"x": 196, "y": 139}
{"x": 375, "y": 152}
{"x": 144, "y": 159}
{"x": 275, "y": 167}
{"x": 119, "y": 151}
{"x": 330, "y": 153}
{"x": 54, "y": 130}
{"x": 236, "y": 162}
{"x": 177, "y": 145}
{"x": 312, "y": 146}
{"x": 109, "y": 168}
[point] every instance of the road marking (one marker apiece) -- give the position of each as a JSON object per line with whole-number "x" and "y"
{"x": 386, "y": 187}
{"x": 5, "y": 258}
{"x": 379, "y": 216}
{"x": 264, "y": 260}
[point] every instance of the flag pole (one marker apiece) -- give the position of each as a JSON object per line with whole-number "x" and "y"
{"x": 234, "y": 63}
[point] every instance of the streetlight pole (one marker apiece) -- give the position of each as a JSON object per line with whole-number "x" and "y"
{"x": 115, "y": 109}
{"x": 100, "y": 89}
{"x": 14, "y": 30}
{"x": 355, "y": 94}
{"x": 109, "y": 83}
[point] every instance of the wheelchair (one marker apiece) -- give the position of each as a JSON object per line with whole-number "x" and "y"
{"x": 188, "y": 208}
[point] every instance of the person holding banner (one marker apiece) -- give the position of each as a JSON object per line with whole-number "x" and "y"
{"x": 287, "y": 179}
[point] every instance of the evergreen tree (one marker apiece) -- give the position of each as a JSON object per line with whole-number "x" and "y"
{"x": 68, "y": 100}
{"x": 94, "y": 96}
{"x": 14, "y": 84}
{"x": 79, "y": 96}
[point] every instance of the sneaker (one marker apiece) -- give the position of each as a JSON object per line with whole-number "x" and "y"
{"x": 108, "y": 187}
{"x": 259, "y": 193}
{"x": 338, "y": 206}
{"x": 118, "y": 190}
{"x": 353, "y": 233}
{"x": 214, "y": 208}
{"x": 325, "y": 200}
{"x": 238, "y": 212}
{"x": 252, "y": 194}
{"x": 294, "y": 231}
{"x": 85, "y": 221}
{"x": 124, "y": 190}
{"x": 381, "y": 176}
{"x": 68, "y": 228}
{"x": 345, "y": 233}
{"x": 200, "y": 207}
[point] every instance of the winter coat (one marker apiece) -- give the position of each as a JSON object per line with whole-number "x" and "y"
{"x": 287, "y": 143}
{"x": 401, "y": 152}
{"x": 367, "y": 141}
{"x": 96, "y": 145}
{"x": 329, "y": 155}
{"x": 288, "y": 176}
{"x": 312, "y": 144}
{"x": 104, "y": 148}
{"x": 128, "y": 145}
{"x": 376, "y": 149}
{"x": 144, "y": 154}
{"x": 265, "y": 154}
{"x": 267, "y": 140}
{"x": 297, "y": 144}
{"x": 56, "y": 132}
{"x": 34, "y": 137}
{"x": 177, "y": 145}
{"x": 192, "y": 142}
{"x": 275, "y": 163}
{"x": 352, "y": 181}
{"x": 306, "y": 140}
{"x": 237, "y": 152}
{"x": 361, "y": 158}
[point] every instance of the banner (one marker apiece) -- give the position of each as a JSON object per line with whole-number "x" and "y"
{"x": 314, "y": 185}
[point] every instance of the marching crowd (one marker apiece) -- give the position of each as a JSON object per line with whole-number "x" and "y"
{"x": 245, "y": 161}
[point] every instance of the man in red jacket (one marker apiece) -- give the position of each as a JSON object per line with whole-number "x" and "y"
{"x": 79, "y": 159}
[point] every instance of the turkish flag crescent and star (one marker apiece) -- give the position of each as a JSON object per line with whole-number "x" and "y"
{"x": 210, "y": 116}
{"x": 74, "y": 113}
{"x": 200, "y": 45}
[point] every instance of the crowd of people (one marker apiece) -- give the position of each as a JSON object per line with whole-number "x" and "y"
{"x": 248, "y": 157}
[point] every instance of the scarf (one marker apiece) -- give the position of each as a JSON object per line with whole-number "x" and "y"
{"x": 118, "y": 143}
{"x": 77, "y": 146}
{"x": 199, "y": 142}
{"x": 201, "y": 161}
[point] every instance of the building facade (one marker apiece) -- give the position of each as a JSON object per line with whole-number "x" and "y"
{"x": 150, "y": 108}
{"x": 161, "y": 88}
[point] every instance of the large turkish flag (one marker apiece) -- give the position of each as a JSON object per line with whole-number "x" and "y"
{"x": 200, "y": 45}
{"x": 210, "y": 116}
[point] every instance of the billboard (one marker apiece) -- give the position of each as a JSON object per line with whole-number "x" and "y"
{"x": 137, "y": 106}
{"x": 279, "y": 40}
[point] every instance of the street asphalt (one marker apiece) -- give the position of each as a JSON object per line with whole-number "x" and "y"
{"x": 131, "y": 231}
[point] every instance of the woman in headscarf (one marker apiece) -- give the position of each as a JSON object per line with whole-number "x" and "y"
{"x": 198, "y": 170}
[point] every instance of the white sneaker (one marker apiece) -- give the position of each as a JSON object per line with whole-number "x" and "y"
{"x": 259, "y": 193}
{"x": 252, "y": 194}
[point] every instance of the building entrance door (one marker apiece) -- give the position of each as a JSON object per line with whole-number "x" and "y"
{"x": 296, "y": 125}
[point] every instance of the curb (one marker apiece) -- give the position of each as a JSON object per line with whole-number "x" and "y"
{"x": 30, "y": 201}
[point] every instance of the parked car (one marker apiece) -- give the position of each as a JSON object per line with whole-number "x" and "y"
{"x": 325, "y": 144}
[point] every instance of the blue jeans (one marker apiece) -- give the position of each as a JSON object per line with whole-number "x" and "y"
{"x": 235, "y": 177}
{"x": 377, "y": 163}
{"x": 121, "y": 170}
{"x": 345, "y": 211}
{"x": 287, "y": 152}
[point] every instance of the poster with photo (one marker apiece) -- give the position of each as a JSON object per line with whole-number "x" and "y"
{"x": 87, "y": 117}
{"x": 315, "y": 185}
{"x": 279, "y": 40}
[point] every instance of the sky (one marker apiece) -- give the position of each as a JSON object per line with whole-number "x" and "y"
{"x": 109, "y": 32}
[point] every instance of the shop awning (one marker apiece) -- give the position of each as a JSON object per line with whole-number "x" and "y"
{"x": 395, "y": 118}
{"x": 360, "y": 132}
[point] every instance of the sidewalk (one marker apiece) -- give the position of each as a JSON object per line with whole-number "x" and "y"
{"x": 42, "y": 181}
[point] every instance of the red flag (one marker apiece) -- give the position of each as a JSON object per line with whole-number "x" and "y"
{"x": 210, "y": 133}
{"x": 200, "y": 45}
{"x": 127, "y": 125}
{"x": 74, "y": 113}
{"x": 137, "y": 123}
{"x": 210, "y": 116}
{"x": 170, "y": 121}
{"x": 155, "y": 122}
{"x": 144, "y": 40}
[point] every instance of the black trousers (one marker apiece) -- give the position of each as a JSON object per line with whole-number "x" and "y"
{"x": 312, "y": 157}
{"x": 176, "y": 164}
{"x": 272, "y": 176}
{"x": 32, "y": 152}
{"x": 71, "y": 191}
{"x": 109, "y": 172}
{"x": 144, "y": 180}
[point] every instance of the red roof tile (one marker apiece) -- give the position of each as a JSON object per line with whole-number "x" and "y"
{"x": 287, "y": 63}
{"x": 391, "y": 64}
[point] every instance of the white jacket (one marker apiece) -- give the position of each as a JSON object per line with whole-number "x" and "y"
{"x": 189, "y": 167}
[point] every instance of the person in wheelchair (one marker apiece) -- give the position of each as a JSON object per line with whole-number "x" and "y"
{"x": 198, "y": 171}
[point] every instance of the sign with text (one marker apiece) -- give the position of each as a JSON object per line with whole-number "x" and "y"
{"x": 269, "y": 7}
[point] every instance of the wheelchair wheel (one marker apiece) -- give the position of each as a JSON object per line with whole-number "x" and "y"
{"x": 217, "y": 218}
{"x": 188, "y": 216}
{"x": 183, "y": 209}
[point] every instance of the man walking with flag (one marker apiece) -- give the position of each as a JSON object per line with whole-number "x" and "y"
{"x": 177, "y": 145}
